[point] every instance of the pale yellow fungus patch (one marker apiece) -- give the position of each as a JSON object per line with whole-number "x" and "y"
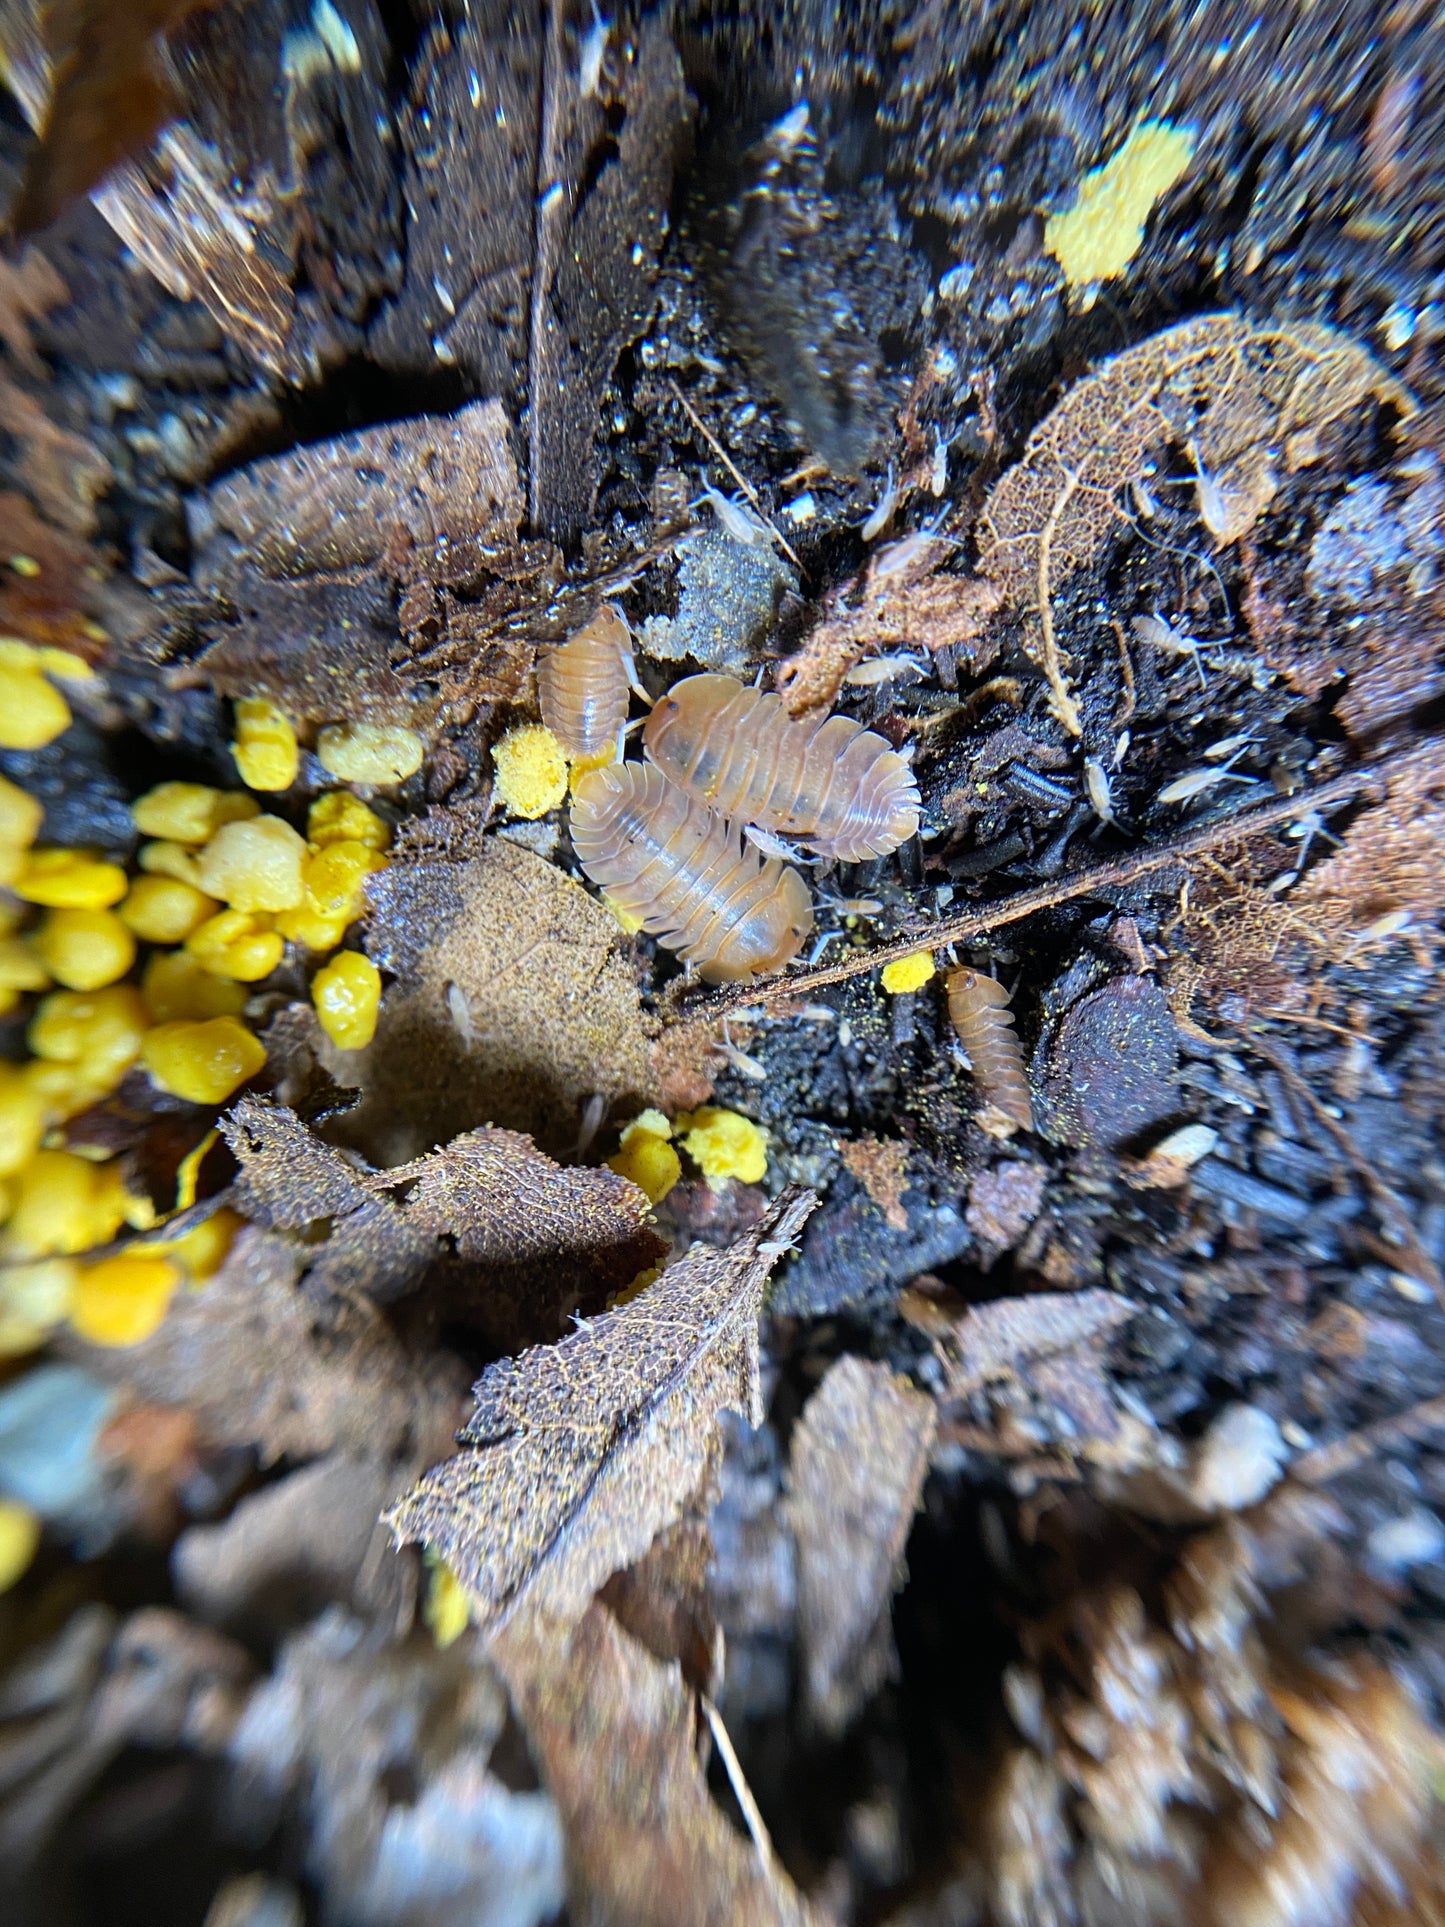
{"x": 908, "y": 973}
{"x": 1101, "y": 233}
{"x": 445, "y": 1607}
{"x": 646, "y": 1158}
{"x": 531, "y": 770}
{"x": 724, "y": 1144}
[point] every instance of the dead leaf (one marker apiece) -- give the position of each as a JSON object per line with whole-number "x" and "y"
{"x": 111, "y": 93}
{"x": 857, "y": 1464}
{"x": 580, "y": 1453}
{"x": 29, "y": 288}
{"x": 512, "y": 1005}
{"x": 879, "y": 1165}
{"x": 59, "y": 470}
{"x": 1245, "y": 398}
{"x": 1001, "y": 1339}
{"x": 262, "y": 1363}
{"x": 916, "y": 605}
{"x": 616, "y": 1733}
{"x": 1002, "y": 1203}
{"x": 517, "y": 1241}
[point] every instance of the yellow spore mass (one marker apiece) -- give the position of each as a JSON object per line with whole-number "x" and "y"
{"x": 724, "y": 1144}
{"x": 1101, "y": 233}
{"x": 445, "y": 1608}
{"x": 371, "y": 753}
{"x": 122, "y": 1300}
{"x": 346, "y": 993}
{"x": 646, "y": 1158}
{"x": 265, "y": 746}
{"x": 19, "y": 1541}
{"x": 202, "y": 1062}
{"x": 908, "y": 973}
{"x": 531, "y": 770}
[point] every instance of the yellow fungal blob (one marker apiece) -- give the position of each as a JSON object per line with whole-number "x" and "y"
{"x": 724, "y": 1144}
{"x": 70, "y": 880}
{"x": 24, "y": 1115}
{"x": 32, "y": 713}
{"x": 21, "y": 815}
{"x": 20, "y": 968}
{"x": 201, "y": 1250}
{"x": 908, "y": 973}
{"x": 202, "y": 1062}
{"x": 236, "y": 943}
{"x": 19, "y": 1541}
{"x": 531, "y": 770}
{"x": 164, "y": 909}
{"x": 340, "y": 817}
{"x": 84, "y": 949}
{"x": 98, "y": 1031}
{"x": 34, "y": 1298}
{"x": 1101, "y": 233}
{"x": 166, "y": 859}
{"x": 177, "y": 986}
{"x": 265, "y": 746}
{"x": 371, "y": 753}
{"x": 445, "y": 1608}
{"x": 346, "y": 993}
{"x": 66, "y": 1203}
{"x": 630, "y": 924}
{"x": 122, "y": 1300}
{"x": 645, "y": 1156}
{"x": 189, "y": 812}
{"x": 256, "y": 865}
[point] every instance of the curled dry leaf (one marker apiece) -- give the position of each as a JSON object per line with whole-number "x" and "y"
{"x": 579, "y": 1454}
{"x": 513, "y": 1004}
{"x": 616, "y": 1734}
{"x": 879, "y": 1165}
{"x": 1245, "y": 399}
{"x": 858, "y": 1460}
{"x": 520, "y": 1240}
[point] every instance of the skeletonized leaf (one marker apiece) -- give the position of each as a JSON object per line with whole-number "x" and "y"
{"x": 858, "y": 1460}
{"x": 1247, "y": 400}
{"x": 579, "y": 1453}
{"x": 616, "y": 1736}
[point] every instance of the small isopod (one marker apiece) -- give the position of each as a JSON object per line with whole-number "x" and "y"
{"x": 834, "y": 784}
{"x": 978, "y": 1008}
{"x": 583, "y": 684}
{"x": 687, "y": 874}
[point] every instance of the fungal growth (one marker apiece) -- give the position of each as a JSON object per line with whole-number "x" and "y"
{"x": 830, "y": 782}
{"x": 978, "y": 1008}
{"x": 583, "y": 684}
{"x": 687, "y": 874}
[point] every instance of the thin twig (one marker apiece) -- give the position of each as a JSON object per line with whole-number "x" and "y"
{"x": 1325, "y": 1462}
{"x": 737, "y": 1779}
{"x": 1388, "y": 1202}
{"x": 971, "y": 924}
{"x": 546, "y": 205}
{"x": 732, "y": 468}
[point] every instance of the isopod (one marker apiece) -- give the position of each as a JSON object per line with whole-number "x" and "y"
{"x": 978, "y": 1008}
{"x": 832, "y": 783}
{"x": 687, "y": 874}
{"x": 583, "y": 684}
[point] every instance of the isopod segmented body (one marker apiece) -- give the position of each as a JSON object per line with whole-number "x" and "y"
{"x": 978, "y": 1008}
{"x": 583, "y": 684}
{"x": 832, "y": 783}
{"x": 688, "y": 875}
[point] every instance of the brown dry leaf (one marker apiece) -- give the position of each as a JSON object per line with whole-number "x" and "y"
{"x": 59, "y": 470}
{"x": 50, "y": 603}
{"x": 261, "y": 1362}
{"x": 578, "y": 1454}
{"x": 616, "y": 1734}
{"x": 1007, "y": 1337}
{"x": 521, "y": 1241}
{"x": 512, "y": 1005}
{"x": 879, "y": 1164}
{"x": 858, "y": 1460}
{"x": 111, "y": 94}
{"x": 1247, "y": 400}
{"x": 889, "y": 606}
{"x": 1386, "y": 882}
{"x": 1002, "y": 1204}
